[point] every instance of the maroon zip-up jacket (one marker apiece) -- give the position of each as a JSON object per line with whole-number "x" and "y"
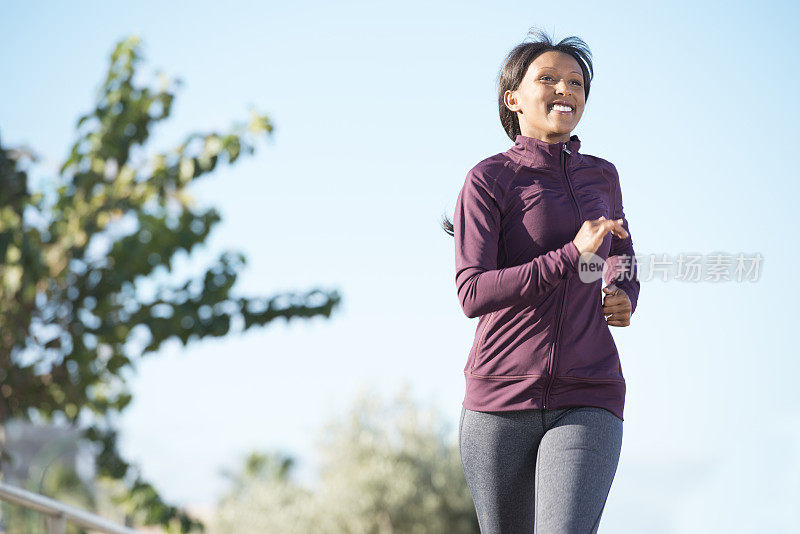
{"x": 542, "y": 341}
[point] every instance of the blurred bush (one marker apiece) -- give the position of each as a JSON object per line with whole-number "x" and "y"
{"x": 388, "y": 467}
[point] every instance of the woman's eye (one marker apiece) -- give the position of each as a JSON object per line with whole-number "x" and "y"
{"x": 550, "y": 77}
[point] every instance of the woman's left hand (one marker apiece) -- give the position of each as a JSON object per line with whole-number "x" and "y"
{"x": 616, "y": 306}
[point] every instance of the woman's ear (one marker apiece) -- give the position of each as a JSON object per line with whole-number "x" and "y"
{"x": 510, "y": 100}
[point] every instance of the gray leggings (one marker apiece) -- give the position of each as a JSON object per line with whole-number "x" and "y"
{"x": 540, "y": 471}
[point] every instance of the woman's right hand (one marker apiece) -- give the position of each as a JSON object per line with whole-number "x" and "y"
{"x": 592, "y": 233}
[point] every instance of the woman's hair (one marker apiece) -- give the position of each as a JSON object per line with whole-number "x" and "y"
{"x": 515, "y": 66}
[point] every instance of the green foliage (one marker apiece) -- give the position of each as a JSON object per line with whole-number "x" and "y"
{"x": 73, "y": 316}
{"x": 260, "y": 467}
{"x": 387, "y": 468}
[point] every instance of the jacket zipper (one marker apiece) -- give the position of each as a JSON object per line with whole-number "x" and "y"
{"x": 552, "y": 368}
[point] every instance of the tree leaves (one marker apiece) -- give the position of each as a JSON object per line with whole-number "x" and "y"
{"x": 70, "y": 272}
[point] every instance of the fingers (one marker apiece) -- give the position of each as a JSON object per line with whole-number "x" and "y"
{"x": 616, "y": 306}
{"x": 614, "y": 226}
{"x": 614, "y": 320}
{"x": 617, "y": 228}
{"x": 616, "y": 303}
{"x": 622, "y": 307}
{"x": 619, "y": 319}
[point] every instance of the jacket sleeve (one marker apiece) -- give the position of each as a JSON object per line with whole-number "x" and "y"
{"x": 628, "y": 279}
{"x": 482, "y": 287}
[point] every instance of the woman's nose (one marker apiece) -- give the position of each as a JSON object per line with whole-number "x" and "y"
{"x": 562, "y": 87}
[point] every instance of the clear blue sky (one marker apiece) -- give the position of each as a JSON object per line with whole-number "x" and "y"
{"x": 380, "y": 111}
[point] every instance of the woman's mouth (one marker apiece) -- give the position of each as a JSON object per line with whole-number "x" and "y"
{"x": 561, "y": 109}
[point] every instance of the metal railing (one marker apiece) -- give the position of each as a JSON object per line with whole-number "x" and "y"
{"x": 59, "y": 513}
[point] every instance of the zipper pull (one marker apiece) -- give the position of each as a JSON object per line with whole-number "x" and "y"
{"x": 566, "y": 149}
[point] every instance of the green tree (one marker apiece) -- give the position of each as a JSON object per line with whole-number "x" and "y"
{"x": 264, "y": 498}
{"x": 75, "y": 255}
{"x": 386, "y": 468}
{"x": 272, "y": 467}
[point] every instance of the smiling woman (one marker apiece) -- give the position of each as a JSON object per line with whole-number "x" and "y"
{"x": 533, "y": 78}
{"x": 541, "y": 421}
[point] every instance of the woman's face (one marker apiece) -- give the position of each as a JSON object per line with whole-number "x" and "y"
{"x": 553, "y": 76}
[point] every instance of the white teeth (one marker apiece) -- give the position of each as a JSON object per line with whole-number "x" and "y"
{"x": 561, "y": 107}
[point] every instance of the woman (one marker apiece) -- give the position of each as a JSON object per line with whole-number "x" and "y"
{"x": 541, "y": 422}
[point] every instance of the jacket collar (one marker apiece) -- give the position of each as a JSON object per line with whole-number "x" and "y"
{"x": 534, "y": 152}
